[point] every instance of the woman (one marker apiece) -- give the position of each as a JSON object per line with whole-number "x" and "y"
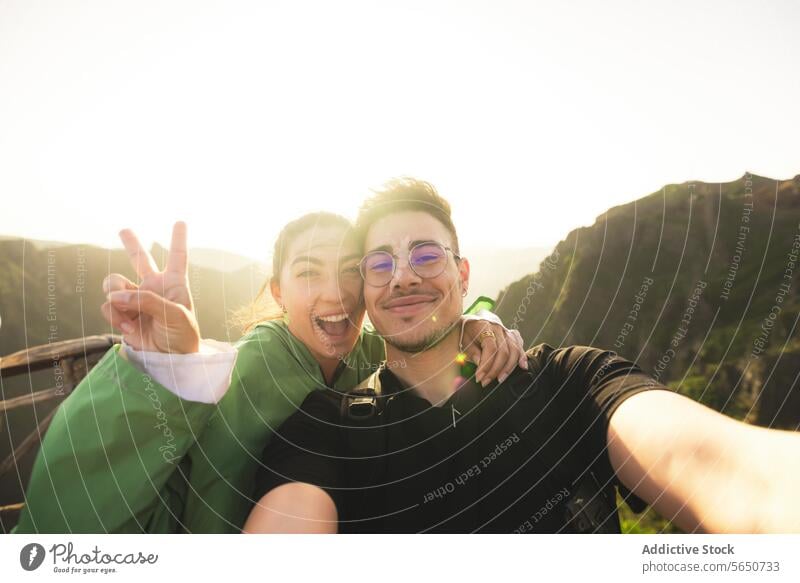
{"x": 168, "y": 451}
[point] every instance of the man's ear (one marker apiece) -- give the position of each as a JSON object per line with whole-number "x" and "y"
{"x": 463, "y": 272}
{"x": 275, "y": 289}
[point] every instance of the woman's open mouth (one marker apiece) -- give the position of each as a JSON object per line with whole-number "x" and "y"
{"x": 335, "y": 326}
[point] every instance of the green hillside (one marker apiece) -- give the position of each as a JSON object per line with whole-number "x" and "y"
{"x": 682, "y": 281}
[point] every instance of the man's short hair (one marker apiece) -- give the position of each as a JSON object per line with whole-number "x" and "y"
{"x": 405, "y": 194}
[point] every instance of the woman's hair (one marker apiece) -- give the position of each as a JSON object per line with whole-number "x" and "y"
{"x": 263, "y": 307}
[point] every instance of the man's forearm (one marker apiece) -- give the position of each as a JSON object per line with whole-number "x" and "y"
{"x": 775, "y": 457}
{"x": 703, "y": 470}
{"x": 757, "y": 482}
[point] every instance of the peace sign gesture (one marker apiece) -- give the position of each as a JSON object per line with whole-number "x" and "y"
{"x": 158, "y": 313}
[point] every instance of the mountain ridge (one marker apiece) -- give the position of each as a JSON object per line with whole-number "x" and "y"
{"x": 732, "y": 237}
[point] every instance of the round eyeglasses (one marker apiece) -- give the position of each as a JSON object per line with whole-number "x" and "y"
{"x": 426, "y": 259}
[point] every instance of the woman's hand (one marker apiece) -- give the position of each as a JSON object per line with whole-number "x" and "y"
{"x": 157, "y": 314}
{"x": 494, "y": 348}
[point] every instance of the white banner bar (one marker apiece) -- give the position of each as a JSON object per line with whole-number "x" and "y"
{"x": 389, "y": 558}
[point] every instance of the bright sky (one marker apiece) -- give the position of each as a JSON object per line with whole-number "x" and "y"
{"x": 531, "y": 117}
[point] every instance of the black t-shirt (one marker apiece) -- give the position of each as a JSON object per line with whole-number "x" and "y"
{"x": 512, "y": 457}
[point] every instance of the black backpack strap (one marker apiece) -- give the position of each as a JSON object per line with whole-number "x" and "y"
{"x": 361, "y": 418}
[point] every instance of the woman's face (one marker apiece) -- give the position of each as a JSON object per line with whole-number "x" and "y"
{"x": 321, "y": 289}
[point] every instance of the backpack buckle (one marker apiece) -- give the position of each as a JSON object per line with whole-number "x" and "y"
{"x": 363, "y": 405}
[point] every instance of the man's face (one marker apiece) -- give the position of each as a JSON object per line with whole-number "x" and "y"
{"x": 410, "y": 312}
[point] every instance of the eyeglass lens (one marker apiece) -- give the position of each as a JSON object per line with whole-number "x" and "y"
{"x": 427, "y": 260}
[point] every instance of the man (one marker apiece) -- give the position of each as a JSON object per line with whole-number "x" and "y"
{"x": 539, "y": 452}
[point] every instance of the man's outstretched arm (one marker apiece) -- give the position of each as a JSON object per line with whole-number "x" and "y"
{"x": 704, "y": 471}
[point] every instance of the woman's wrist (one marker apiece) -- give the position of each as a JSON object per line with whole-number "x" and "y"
{"x": 203, "y": 376}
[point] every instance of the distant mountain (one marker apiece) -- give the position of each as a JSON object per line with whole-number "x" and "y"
{"x": 223, "y": 261}
{"x": 38, "y": 243}
{"x": 55, "y": 292}
{"x": 697, "y": 283}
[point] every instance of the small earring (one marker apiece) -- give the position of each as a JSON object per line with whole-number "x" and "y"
{"x": 464, "y": 293}
{"x": 283, "y": 308}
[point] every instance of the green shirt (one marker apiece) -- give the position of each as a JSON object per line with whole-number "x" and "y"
{"x": 125, "y": 454}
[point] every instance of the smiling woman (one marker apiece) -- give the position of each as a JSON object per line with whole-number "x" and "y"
{"x": 316, "y": 283}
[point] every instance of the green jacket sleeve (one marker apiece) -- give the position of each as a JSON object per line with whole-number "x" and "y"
{"x": 112, "y": 459}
